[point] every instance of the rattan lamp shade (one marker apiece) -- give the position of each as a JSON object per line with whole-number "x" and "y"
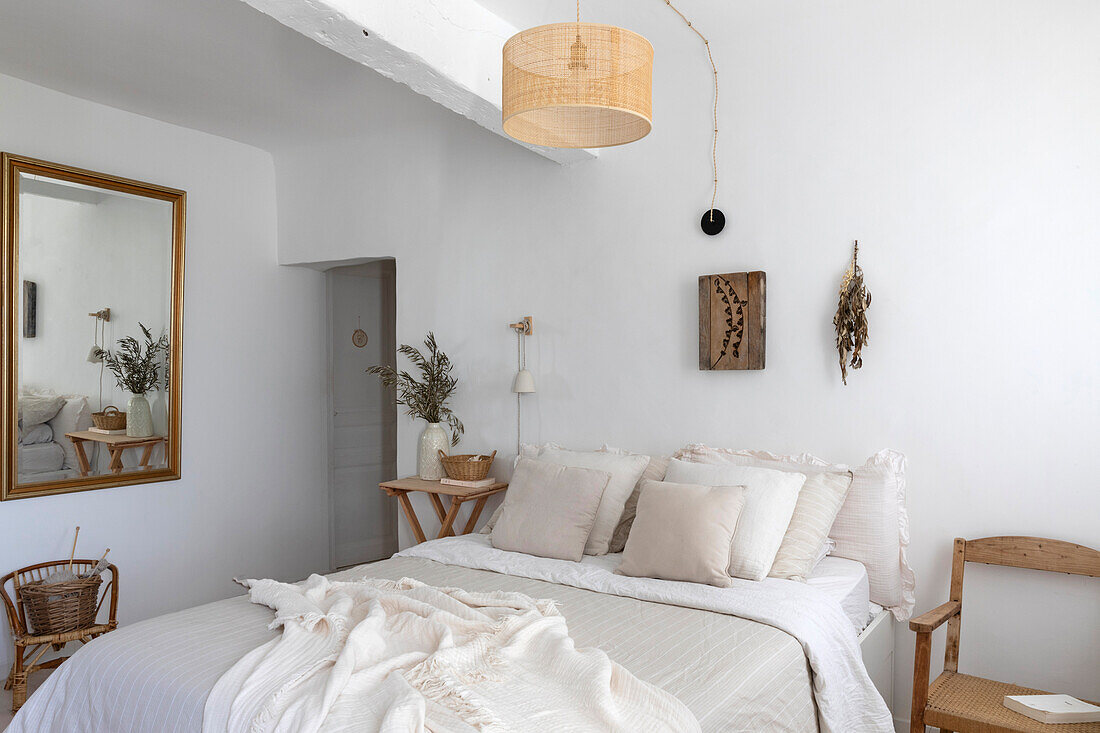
{"x": 578, "y": 85}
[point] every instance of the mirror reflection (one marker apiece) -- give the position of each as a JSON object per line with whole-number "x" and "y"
{"x": 94, "y": 282}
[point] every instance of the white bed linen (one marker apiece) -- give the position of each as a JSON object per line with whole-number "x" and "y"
{"x": 41, "y": 433}
{"x": 404, "y": 657}
{"x": 39, "y": 458}
{"x": 846, "y": 698}
{"x": 735, "y": 675}
{"x": 46, "y": 476}
{"x": 846, "y": 582}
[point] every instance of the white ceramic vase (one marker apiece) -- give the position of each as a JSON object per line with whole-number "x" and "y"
{"x": 139, "y": 418}
{"x": 432, "y": 440}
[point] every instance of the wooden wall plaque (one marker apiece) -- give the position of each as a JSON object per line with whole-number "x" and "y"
{"x": 731, "y": 321}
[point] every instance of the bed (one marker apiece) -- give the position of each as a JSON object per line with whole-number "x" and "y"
{"x": 43, "y": 453}
{"x": 733, "y": 673}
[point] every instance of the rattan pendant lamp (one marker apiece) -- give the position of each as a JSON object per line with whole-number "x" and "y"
{"x": 578, "y": 85}
{"x": 585, "y": 85}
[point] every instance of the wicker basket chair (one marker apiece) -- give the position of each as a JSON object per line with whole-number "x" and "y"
{"x": 30, "y": 645}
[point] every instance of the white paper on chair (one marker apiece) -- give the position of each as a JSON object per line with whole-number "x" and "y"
{"x": 1053, "y": 708}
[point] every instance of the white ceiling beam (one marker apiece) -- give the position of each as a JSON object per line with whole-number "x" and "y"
{"x": 446, "y": 50}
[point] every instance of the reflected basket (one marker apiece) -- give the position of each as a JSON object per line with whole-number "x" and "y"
{"x": 467, "y": 467}
{"x": 109, "y": 419}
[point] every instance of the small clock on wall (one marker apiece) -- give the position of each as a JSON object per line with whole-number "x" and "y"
{"x": 359, "y": 337}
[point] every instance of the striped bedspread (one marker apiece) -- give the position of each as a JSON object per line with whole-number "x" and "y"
{"x": 732, "y": 673}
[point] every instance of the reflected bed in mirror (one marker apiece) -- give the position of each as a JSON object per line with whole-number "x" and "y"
{"x": 92, "y": 270}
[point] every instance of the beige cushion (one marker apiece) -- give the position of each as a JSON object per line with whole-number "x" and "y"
{"x": 549, "y": 509}
{"x": 683, "y": 532}
{"x": 655, "y": 471}
{"x": 818, "y": 503}
{"x": 625, "y": 472}
{"x": 770, "y": 498}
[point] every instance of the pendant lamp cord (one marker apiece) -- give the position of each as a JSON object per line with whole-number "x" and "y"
{"x": 714, "y": 67}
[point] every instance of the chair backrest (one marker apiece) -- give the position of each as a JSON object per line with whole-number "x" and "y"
{"x": 1035, "y": 553}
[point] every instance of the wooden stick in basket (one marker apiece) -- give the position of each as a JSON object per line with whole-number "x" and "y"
{"x": 73, "y": 553}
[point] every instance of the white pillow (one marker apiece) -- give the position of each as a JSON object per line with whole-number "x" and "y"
{"x": 35, "y": 409}
{"x": 549, "y": 509}
{"x": 625, "y": 472}
{"x": 683, "y": 532}
{"x": 74, "y": 415}
{"x": 655, "y": 471}
{"x": 872, "y": 526}
{"x": 770, "y": 498}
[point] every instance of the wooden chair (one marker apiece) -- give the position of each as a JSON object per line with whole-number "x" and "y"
{"x": 959, "y": 702}
{"x": 29, "y": 647}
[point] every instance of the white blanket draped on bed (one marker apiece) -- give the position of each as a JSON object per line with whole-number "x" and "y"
{"x": 846, "y": 698}
{"x": 404, "y": 656}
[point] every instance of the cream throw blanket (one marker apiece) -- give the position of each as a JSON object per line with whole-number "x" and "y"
{"x": 380, "y": 655}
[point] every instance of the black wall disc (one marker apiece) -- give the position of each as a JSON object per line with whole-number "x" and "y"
{"x": 714, "y": 226}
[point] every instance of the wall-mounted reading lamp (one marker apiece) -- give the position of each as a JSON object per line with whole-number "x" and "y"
{"x": 103, "y": 315}
{"x": 524, "y": 382}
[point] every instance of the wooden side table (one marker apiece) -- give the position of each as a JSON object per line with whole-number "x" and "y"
{"x": 115, "y": 445}
{"x": 401, "y": 488}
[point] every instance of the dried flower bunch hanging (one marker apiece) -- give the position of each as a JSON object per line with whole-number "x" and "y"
{"x": 425, "y": 399}
{"x": 851, "y": 317}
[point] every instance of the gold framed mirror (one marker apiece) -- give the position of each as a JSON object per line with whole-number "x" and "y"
{"x": 92, "y": 329}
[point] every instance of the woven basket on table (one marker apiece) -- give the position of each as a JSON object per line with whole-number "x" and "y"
{"x": 467, "y": 467}
{"x": 54, "y": 608}
{"x": 108, "y": 420}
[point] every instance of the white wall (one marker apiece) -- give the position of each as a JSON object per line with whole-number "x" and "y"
{"x": 252, "y": 500}
{"x": 957, "y": 142}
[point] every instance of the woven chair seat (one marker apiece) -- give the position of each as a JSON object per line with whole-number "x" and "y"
{"x": 960, "y": 702}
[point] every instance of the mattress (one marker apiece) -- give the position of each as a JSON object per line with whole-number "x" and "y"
{"x": 40, "y": 458}
{"x": 846, "y": 582}
{"x": 734, "y": 674}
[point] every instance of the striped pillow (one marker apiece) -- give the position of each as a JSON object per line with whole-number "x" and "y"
{"x": 818, "y": 504}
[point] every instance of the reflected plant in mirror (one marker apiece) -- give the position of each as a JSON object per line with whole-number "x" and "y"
{"x": 138, "y": 370}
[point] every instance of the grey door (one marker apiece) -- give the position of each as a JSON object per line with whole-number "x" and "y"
{"x": 362, "y": 441}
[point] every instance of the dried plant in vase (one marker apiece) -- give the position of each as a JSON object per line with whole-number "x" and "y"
{"x": 139, "y": 369}
{"x": 426, "y": 399}
{"x": 851, "y": 317}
